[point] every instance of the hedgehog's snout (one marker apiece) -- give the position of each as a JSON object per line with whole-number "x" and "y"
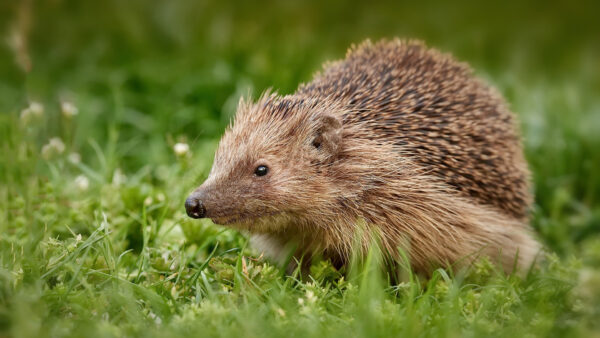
{"x": 194, "y": 207}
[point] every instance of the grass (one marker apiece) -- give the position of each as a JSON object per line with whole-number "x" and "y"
{"x": 93, "y": 237}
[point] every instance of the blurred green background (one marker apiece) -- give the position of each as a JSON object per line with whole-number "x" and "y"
{"x": 144, "y": 75}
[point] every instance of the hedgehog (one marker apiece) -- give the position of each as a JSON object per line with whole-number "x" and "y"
{"x": 397, "y": 146}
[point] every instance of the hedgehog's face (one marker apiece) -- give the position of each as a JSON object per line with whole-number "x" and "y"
{"x": 268, "y": 169}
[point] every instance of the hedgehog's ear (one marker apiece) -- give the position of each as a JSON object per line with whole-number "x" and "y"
{"x": 328, "y": 136}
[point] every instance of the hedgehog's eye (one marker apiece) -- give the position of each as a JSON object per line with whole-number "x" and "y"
{"x": 261, "y": 170}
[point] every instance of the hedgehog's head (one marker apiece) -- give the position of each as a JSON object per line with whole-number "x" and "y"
{"x": 272, "y": 165}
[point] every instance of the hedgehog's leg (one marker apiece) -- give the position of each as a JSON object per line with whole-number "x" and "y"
{"x": 283, "y": 252}
{"x": 271, "y": 246}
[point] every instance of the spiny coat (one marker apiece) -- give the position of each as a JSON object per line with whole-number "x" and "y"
{"x": 396, "y": 141}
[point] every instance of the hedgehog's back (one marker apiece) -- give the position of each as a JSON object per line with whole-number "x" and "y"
{"x": 442, "y": 117}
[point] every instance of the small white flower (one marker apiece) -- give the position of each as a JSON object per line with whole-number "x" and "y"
{"x": 310, "y": 296}
{"x": 54, "y": 147}
{"x": 58, "y": 144}
{"x": 280, "y": 312}
{"x": 36, "y": 108}
{"x": 68, "y": 109}
{"x": 78, "y": 238}
{"x": 82, "y": 182}
{"x": 33, "y": 112}
{"x": 74, "y": 158}
{"x": 160, "y": 197}
{"x": 148, "y": 200}
{"x": 301, "y": 301}
{"x": 181, "y": 149}
{"x": 154, "y": 317}
{"x": 118, "y": 177}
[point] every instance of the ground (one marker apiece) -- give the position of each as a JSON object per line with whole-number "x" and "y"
{"x": 109, "y": 115}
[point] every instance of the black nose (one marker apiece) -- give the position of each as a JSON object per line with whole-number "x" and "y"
{"x": 194, "y": 207}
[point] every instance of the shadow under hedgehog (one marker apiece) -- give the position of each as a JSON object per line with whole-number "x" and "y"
{"x": 396, "y": 141}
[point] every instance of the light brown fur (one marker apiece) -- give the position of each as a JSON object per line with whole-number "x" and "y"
{"x": 397, "y": 141}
